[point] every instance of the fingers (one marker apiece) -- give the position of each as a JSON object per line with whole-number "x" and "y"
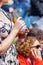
{"x": 19, "y": 18}
{"x": 36, "y": 54}
{"x": 39, "y": 55}
{"x": 20, "y": 22}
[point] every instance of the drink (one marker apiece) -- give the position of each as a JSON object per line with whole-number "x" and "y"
{"x": 21, "y": 35}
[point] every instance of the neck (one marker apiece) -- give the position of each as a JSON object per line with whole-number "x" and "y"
{"x": 0, "y": 5}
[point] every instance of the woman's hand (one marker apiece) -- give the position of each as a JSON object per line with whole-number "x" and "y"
{"x": 36, "y": 53}
{"x": 19, "y": 24}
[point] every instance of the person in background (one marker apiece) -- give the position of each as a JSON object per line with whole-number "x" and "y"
{"x": 8, "y": 31}
{"x": 34, "y": 32}
{"x": 29, "y": 51}
{"x": 40, "y": 38}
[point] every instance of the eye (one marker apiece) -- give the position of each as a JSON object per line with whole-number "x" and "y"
{"x": 38, "y": 46}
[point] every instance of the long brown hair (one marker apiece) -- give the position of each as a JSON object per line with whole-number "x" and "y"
{"x": 23, "y": 48}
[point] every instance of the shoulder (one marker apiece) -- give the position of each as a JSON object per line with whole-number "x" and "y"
{"x": 4, "y": 16}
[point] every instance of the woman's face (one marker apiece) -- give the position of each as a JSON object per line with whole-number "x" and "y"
{"x": 36, "y": 50}
{"x": 36, "y": 45}
{"x": 4, "y": 2}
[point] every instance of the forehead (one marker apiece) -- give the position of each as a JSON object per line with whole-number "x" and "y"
{"x": 36, "y": 43}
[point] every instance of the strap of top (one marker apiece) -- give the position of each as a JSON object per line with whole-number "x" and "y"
{"x": 6, "y": 16}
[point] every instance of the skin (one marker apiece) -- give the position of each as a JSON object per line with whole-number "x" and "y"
{"x": 6, "y": 43}
{"x": 36, "y": 52}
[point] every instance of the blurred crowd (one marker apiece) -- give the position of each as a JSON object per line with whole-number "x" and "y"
{"x": 31, "y": 11}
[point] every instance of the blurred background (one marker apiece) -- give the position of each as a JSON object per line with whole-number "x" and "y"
{"x": 31, "y": 11}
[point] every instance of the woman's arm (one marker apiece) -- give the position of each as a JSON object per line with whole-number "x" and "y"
{"x": 4, "y": 46}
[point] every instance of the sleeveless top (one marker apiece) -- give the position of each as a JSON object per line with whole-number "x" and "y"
{"x": 10, "y": 57}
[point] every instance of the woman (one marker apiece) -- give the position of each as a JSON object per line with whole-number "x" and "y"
{"x": 7, "y": 35}
{"x": 29, "y": 52}
{"x": 38, "y": 34}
